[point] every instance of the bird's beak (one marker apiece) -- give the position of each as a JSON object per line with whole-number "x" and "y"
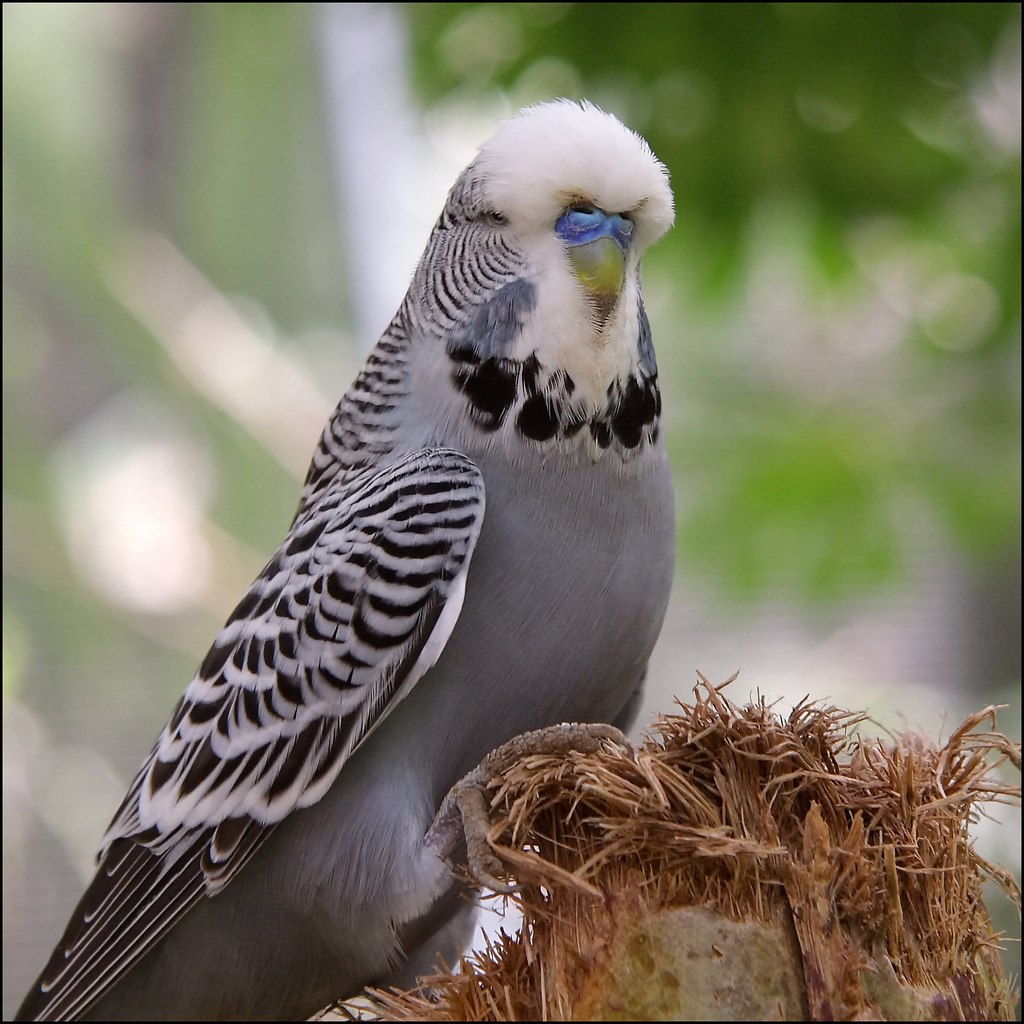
{"x": 596, "y": 244}
{"x": 601, "y": 268}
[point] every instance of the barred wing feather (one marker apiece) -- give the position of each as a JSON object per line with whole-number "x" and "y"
{"x": 355, "y": 606}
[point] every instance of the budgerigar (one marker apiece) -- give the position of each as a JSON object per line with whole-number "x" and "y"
{"x": 484, "y": 546}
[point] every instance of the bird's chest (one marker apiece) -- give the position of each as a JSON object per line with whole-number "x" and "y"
{"x": 566, "y": 594}
{"x": 569, "y": 530}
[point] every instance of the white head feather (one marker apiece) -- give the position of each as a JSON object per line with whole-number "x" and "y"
{"x": 536, "y": 166}
{"x": 555, "y": 154}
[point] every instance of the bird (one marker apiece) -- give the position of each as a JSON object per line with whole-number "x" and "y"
{"x": 484, "y": 546}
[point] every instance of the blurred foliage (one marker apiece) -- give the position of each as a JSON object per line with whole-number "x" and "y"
{"x": 200, "y": 124}
{"x": 200, "y": 121}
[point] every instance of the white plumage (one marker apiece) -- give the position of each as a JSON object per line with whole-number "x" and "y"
{"x": 559, "y": 153}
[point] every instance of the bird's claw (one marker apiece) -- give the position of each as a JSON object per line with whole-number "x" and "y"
{"x": 465, "y": 810}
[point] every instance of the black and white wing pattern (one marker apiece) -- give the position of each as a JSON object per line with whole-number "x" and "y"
{"x": 355, "y": 606}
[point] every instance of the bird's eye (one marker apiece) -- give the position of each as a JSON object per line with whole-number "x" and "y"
{"x": 495, "y": 217}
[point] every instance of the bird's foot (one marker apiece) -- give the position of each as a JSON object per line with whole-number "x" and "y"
{"x": 465, "y": 810}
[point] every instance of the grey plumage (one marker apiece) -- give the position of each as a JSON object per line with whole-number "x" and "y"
{"x": 269, "y": 857}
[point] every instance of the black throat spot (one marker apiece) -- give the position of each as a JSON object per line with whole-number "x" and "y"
{"x": 543, "y": 404}
{"x": 636, "y": 406}
{"x": 490, "y": 386}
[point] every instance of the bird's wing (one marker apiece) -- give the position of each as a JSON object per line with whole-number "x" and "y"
{"x": 355, "y": 606}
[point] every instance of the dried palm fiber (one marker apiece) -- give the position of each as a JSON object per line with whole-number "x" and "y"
{"x": 743, "y": 866}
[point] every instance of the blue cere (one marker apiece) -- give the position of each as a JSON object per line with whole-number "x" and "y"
{"x": 582, "y": 224}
